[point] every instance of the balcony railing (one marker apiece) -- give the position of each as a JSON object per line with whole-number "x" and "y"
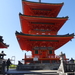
{"x": 51, "y": 56}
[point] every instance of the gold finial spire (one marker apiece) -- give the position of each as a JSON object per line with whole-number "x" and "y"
{"x": 39, "y": 1}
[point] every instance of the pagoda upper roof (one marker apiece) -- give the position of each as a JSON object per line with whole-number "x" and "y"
{"x": 53, "y": 23}
{"x": 52, "y": 9}
{"x": 2, "y": 44}
{"x": 56, "y": 40}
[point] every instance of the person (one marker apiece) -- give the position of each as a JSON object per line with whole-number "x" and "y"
{"x": 8, "y": 63}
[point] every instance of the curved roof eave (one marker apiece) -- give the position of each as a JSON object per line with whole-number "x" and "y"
{"x": 67, "y": 35}
{"x": 3, "y": 45}
{"x": 43, "y": 16}
{"x": 44, "y": 3}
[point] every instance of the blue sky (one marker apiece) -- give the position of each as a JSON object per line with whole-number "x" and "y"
{"x": 10, "y": 23}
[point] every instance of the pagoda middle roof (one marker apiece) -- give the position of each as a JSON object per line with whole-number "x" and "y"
{"x": 2, "y": 44}
{"x": 42, "y": 6}
{"x": 56, "y": 23}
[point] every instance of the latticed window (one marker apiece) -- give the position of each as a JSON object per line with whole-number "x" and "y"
{"x": 36, "y": 51}
{"x": 50, "y": 52}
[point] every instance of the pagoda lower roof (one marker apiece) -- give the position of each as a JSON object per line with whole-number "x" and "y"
{"x": 2, "y": 44}
{"x": 34, "y": 8}
{"x": 56, "y": 41}
{"x": 31, "y": 22}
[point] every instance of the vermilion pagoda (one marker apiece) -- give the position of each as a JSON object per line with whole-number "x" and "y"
{"x": 40, "y": 25}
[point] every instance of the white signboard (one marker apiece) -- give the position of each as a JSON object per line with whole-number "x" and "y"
{"x": 35, "y": 59}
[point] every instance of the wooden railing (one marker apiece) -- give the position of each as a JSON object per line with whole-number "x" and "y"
{"x": 51, "y": 56}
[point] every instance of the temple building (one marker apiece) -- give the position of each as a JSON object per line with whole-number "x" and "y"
{"x": 2, "y": 44}
{"x": 40, "y": 26}
{"x": 2, "y": 54}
